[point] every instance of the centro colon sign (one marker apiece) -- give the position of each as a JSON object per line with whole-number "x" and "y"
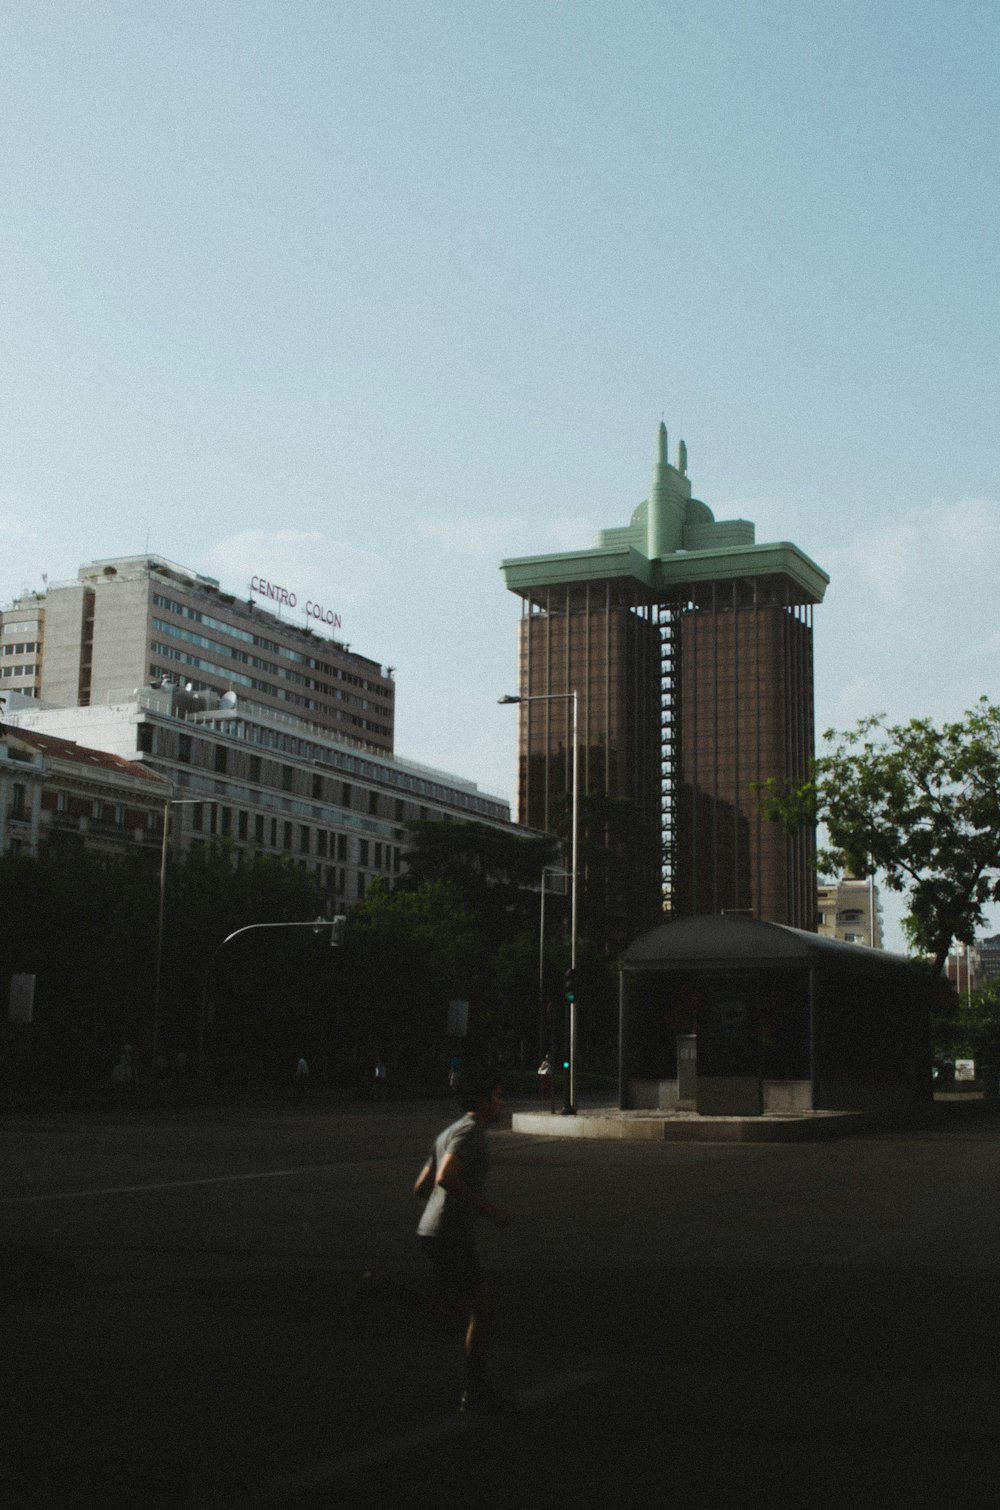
{"x": 282, "y": 595}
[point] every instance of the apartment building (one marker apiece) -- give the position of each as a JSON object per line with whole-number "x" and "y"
{"x": 850, "y": 910}
{"x": 56, "y": 792}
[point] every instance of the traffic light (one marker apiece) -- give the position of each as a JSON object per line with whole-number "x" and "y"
{"x": 570, "y": 988}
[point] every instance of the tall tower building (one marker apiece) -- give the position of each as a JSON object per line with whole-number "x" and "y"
{"x": 689, "y": 646}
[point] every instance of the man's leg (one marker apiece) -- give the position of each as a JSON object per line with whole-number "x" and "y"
{"x": 477, "y": 1336}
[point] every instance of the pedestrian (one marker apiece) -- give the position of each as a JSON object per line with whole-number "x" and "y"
{"x": 544, "y": 1078}
{"x": 381, "y": 1079}
{"x": 121, "y": 1074}
{"x": 451, "y": 1182}
{"x": 301, "y": 1079}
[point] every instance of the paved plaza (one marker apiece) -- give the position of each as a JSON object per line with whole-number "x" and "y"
{"x": 700, "y": 1325}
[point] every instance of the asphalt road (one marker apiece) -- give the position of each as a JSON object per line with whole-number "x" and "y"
{"x": 698, "y": 1325}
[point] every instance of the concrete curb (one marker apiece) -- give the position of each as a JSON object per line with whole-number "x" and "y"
{"x": 656, "y": 1127}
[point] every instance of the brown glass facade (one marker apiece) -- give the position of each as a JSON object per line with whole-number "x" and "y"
{"x": 601, "y": 640}
{"x": 745, "y": 715}
{"x": 685, "y": 702}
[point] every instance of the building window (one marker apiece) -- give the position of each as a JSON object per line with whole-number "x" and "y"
{"x": 197, "y": 817}
{"x": 18, "y": 803}
{"x": 184, "y": 748}
{"x": 378, "y": 857}
{"x": 221, "y": 759}
{"x": 304, "y": 845}
{"x": 244, "y": 826}
{"x": 362, "y": 851}
{"x": 360, "y": 886}
{"x": 255, "y": 768}
{"x": 274, "y": 833}
{"x": 321, "y": 842}
{"x": 317, "y": 787}
{"x": 287, "y": 838}
{"x": 287, "y": 777}
{"x": 144, "y": 738}
{"x": 346, "y": 794}
{"x": 258, "y": 827}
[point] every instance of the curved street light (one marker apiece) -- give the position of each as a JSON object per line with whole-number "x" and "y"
{"x": 336, "y": 926}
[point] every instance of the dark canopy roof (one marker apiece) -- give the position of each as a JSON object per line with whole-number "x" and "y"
{"x": 737, "y": 943}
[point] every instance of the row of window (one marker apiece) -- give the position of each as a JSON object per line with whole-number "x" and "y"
{"x": 26, "y": 670}
{"x": 183, "y": 611}
{"x": 170, "y": 653}
{"x": 24, "y": 647}
{"x": 258, "y": 773}
{"x": 298, "y": 838}
{"x": 387, "y": 775}
{"x": 244, "y": 658}
{"x": 95, "y": 808}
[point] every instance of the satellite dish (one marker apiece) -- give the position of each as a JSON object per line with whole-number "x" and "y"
{"x": 229, "y": 699}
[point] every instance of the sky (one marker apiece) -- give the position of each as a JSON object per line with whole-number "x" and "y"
{"x": 364, "y": 296}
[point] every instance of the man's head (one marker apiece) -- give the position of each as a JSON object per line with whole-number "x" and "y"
{"x": 480, "y": 1091}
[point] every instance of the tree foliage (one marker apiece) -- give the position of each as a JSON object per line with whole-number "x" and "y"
{"x": 86, "y": 926}
{"x": 918, "y": 804}
{"x": 970, "y": 1027}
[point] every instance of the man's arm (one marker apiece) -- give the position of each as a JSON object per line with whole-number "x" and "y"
{"x": 424, "y": 1183}
{"x": 450, "y": 1178}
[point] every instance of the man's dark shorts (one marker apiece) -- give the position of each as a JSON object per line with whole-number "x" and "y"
{"x": 456, "y": 1267}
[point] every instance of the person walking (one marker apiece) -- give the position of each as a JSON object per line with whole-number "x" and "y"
{"x": 451, "y": 1183}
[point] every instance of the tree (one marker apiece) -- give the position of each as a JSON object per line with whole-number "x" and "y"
{"x": 917, "y": 803}
{"x": 497, "y": 872}
{"x": 407, "y": 953}
{"x": 971, "y": 1029}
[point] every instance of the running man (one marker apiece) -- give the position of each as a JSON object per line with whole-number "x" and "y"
{"x": 451, "y": 1182}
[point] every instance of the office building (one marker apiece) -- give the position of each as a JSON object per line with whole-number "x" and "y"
{"x": 689, "y": 646}
{"x": 135, "y": 621}
{"x": 270, "y": 734}
{"x": 269, "y": 783}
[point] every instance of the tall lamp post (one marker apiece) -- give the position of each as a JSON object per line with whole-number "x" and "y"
{"x": 551, "y": 697}
{"x": 169, "y": 802}
{"x": 545, "y": 1047}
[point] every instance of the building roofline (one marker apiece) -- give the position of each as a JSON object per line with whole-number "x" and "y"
{"x": 527, "y": 575}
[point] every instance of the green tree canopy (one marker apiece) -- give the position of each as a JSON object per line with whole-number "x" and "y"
{"x": 918, "y": 804}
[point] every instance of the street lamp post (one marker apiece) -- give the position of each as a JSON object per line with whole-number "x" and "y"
{"x": 169, "y": 802}
{"x": 545, "y": 1047}
{"x": 550, "y": 697}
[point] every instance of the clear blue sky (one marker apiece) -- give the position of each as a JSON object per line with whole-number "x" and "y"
{"x": 365, "y": 296}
